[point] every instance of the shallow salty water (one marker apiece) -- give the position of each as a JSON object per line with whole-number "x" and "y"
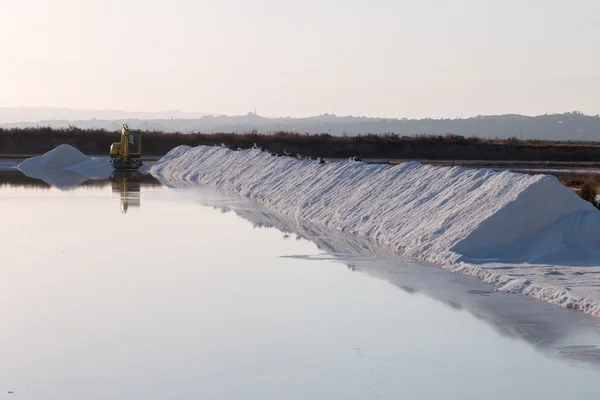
{"x": 8, "y": 164}
{"x": 193, "y": 293}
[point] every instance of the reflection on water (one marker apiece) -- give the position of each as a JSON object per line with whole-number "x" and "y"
{"x": 16, "y": 179}
{"x": 128, "y": 185}
{"x": 554, "y": 331}
{"x": 532, "y": 321}
{"x": 199, "y": 305}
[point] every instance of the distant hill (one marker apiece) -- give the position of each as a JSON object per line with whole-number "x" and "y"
{"x": 17, "y": 115}
{"x": 567, "y": 126}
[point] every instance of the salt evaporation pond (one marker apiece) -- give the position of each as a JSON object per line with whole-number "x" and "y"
{"x": 524, "y": 234}
{"x": 196, "y": 294}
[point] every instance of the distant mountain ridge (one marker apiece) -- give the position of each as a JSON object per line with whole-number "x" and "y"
{"x": 567, "y": 126}
{"x": 37, "y": 114}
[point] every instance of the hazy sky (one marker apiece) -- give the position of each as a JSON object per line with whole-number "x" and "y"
{"x": 389, "y": 58}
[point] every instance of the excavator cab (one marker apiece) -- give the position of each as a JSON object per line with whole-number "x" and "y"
{"x": 127, "y": 154}
{"x": 135, "y": 144}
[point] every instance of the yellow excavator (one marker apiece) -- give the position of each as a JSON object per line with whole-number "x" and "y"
{"x": 127, "y": 154}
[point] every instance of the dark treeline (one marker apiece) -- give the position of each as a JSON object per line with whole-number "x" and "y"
{"x": 432, "y": 147}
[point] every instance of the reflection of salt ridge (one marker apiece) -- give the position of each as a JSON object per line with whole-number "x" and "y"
{"x": 504, "y": 228}
{"x": 530, "y": 321}
{"x": 65, "y": 167}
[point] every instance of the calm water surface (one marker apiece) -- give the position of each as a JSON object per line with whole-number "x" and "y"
{"x": 194, "y": 294}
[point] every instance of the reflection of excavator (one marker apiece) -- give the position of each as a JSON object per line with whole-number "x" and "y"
{"x": 127, "y": 154}
{"x": 127, "y": 184}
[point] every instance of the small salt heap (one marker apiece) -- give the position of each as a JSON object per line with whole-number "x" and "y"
{"x": 65, "y": 167}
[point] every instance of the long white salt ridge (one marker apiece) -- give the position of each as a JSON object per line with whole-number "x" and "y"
{"x": 525, "y": 234}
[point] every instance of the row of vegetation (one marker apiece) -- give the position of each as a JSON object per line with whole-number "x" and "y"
{"x": 586, "y": 186}
{"x": 431, "y": 147}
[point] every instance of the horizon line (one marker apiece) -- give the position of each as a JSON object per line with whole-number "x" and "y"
{"x": 253, "y": 113}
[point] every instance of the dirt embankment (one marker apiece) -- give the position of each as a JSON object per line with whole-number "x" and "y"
{"x": 447, "y": 147}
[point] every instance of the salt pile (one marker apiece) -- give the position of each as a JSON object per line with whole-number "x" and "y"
{"x": 65, "y": 167}
{"x": 525, "y": 234}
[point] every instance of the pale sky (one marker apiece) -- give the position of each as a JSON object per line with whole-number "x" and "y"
{"x": 388, "y": 58}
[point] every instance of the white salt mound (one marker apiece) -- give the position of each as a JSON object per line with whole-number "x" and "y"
{"x": 66, "y": 167}
{"x": 525, "y": 234}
